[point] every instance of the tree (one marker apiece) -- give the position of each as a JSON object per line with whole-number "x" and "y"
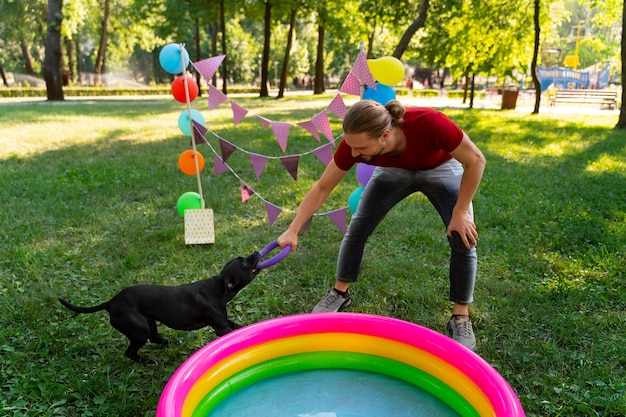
{"x": 53, "y": 57}
{"x": 285, "y": 66}
{"x": 533, "y": 66}
{"x": 102, "y": 48}
{"x": 621, "y": 122}
{"x": 417, "y": 24}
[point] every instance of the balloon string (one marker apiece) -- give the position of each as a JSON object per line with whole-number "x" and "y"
{"x": 193, "y": 139}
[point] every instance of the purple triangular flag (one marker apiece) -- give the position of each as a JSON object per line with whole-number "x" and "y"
{"x": 227, "y": 149}
{"x": 339, "y": 218}
{"x": 320, "y": 120}
{"x": 238, "y": 112}
{"x": 351, "y": 85}
{"x": 216, "y": 97}
{"x": 338, "y": 107}
{"x": 208, "y": 67}
{"x": 291, "y": 164}
{"x": 246, "y": 193}
{"x": 324, "y": 153}
{"x": 310, "y": 127}
{"x": 199, "y": 132}
{"x": 258, "y": 163}
{"x": 220, "y": 166}
{"x": 306, "y": 226}
{"x": 272, "y": 212}
{"x": 266, "y": 122}
{"x": 362, "y": 71}
{"x": 281, "y": 132}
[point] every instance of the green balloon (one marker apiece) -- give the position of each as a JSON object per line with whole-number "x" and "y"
{"x": 188, "y": 201}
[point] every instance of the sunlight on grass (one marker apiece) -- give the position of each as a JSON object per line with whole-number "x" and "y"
{"x": 608, "y": 163}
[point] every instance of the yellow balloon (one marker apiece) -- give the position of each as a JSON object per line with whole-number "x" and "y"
{"x": 386, "y": 70}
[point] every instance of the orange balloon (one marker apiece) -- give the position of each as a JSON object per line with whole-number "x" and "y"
{"x": 178, "y": 89}
{"x": 187, "y": 164}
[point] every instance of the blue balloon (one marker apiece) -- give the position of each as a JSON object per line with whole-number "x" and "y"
{"x": 183, "y": 120}
{"x": 353, "y": 200}
{"x": 383, "y": 94}
{"x": 169, "y": 57}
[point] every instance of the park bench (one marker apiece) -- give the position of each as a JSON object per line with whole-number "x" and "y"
{"x": 605, "y": 98}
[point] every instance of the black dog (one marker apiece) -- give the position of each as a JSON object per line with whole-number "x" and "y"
{"x": 135, "y": 310}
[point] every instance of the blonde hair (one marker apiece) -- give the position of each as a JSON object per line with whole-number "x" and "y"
{"x": 372, "y": 118}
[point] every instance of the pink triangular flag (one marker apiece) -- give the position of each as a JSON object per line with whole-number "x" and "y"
{"x": 208, "y": 67}
{"x": 266, "y": 122}
{"x": 324, "y": 153}
{"x": 238, "y": 112}
{"x": 246, "y": 193}
{"x": 227, "y": 149}
{"x": 320, "y": 120}
{"x": 339, "y": 218}
{"x": 258, "y": 163}
{"x": 220, "y": 166}
{"x": 362, "y": 71}
{"x": 216, "y": 97}
{"x": 310, "y": 127}
{"x": 338, "y": 107}
{"x": 291, "y": 164}
{"x": 272, "y": 212}
{"x": 199, "y": 133}
{"x": 281, "y": 132}
{"x": 306, "y": 226}
{"x": 351, "y": 85}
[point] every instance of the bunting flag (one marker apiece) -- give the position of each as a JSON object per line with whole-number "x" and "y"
{"x": 208, "y": 67}
{"x": 216, "y": 97}
{"x": 227, "y": 149}
{"x": 219, "y": 165}
{"x": 291, "y": 164}
{"x": 199, "y": 133}
{"x": 359, "y": 75}
{"x": 238, "y": 112}
{"x": 362, "y": 71}
{"x": 306, "y": 226}
{"x": 324, "y": 153}
{"x": 310, "y": 127}
{"x": 320, "y": 121}
{"x": 339, "y": 218}
{"x": 338, "y": 107}
{"x": 266, "y": 122}
{"x": 281, "y": 132}
{"x": 246, "y": 193}
{"x": 351, "y": 85}
{"x": 258, "y": 163}
{"x": 272, "y": 212}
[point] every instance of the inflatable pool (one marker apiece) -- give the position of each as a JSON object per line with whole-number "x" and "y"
{"x": 277, "y": 348}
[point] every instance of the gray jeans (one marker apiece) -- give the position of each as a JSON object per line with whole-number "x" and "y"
{"x": 385, "y": 189}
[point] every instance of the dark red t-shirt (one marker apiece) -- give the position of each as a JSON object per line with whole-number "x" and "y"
{"x": 430, "y": 136}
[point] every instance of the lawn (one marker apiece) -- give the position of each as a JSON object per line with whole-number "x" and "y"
{"x": 89, "y": 192}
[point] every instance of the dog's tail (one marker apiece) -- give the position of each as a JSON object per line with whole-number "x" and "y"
{"x": 77, "y": 309}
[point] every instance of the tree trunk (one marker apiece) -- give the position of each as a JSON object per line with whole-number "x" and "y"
{"x": 417, "y": 24}
{"x": 621, "y": 122}
{"x": 225, "y": 61}
{"x": 285, "y": 69}
{"x": 3, "y": 74}
{"x": 53, "y": 56}
{"x": 69, "y": 48}
{"x": 196, "y": 40}
{"x": 471, "y": 105}
{"x": 214, "y": 31}
{"x": 318, "y": 86}
{"x": 102, "y": 49}
{"x": 265, "y": 61}
{"x": 533, "y": 65}
{"x": 28, "y": 59}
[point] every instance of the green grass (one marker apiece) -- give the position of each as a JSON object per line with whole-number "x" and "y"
{"x": 89, "y": 192}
